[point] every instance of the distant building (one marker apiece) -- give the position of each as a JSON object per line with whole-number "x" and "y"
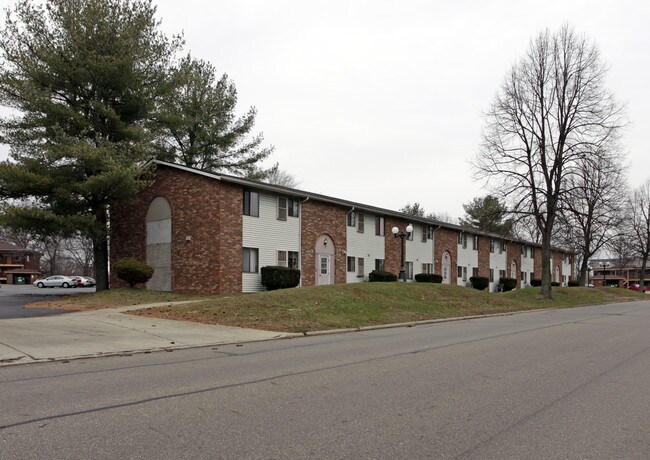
{"x": 18, "y": 265}
{"x": 616, "y": 272}
{"x": 206, "y": 232}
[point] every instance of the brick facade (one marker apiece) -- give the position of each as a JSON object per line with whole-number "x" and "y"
{"x": 206, "y": 231}
{"x": 318, "y": 219}
{"x": 445, "y": 239}
{"x": 393, "y": 246}
{"x": 484, "y": 256}
{"x": 513, "y": 252}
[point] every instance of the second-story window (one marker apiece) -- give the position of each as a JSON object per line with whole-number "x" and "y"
{"x": 352, "y": 219}
{"x": 282, "y": 208}
{"x": 360, "y": 223}
{"x": 251, "y": 203}
{"x": 475, "y": 242}
{"x": 293, "y": 207}
{"x": 379, "y": 226}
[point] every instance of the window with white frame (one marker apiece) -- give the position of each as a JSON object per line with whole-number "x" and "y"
{"x": 462, "y": 240}
{"x": 523, "y": 277}
{"x": 491, "y": 275}
{"x": 288, "y": 259}
{"x": 282, "y": 208}
{"x": 251, "y": 203}
{"x": 351, "y": 264}
{"x": 293, "y": 207}
{"x": 352, "y": 219}
{"x": 360, "y": 267}
{"x": 249, "y": 260}
{"x": 379, "y": 264}
{"x": 379, "y": 226}
{"x": 409, "y": 270}
{"x": 361, "y": 223}
{"x": 425, "y": 233}
{"x": 492, "y": 245}
{"x": 475, "y": 242}
{"x": 502, "y": 247}
{"x": 427, "y": 268}
{"x": 430, "y": 233}
{"x": 282, "y": 258}
{"x": 464, "y": 273}
{"x": 460, "y": 271}
{"x": 502, "y": 273}
{"x": 474, "y": 271}
{"x": 293, "y": 259}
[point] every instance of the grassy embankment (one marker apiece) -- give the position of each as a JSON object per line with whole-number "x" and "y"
{"x": 345, "y": 306}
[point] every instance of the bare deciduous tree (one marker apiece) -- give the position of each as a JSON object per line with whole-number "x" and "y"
{"x": 592, "y": 213}
{"x": 640, "y": 226}
{"x": 551, "y": 114}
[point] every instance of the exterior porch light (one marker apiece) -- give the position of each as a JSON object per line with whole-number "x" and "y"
{"x": 604, "y": 265}
{"x": 403, "y": 235}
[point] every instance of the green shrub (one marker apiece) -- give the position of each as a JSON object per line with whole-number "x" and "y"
{"x": 573, "y": 283}
{"x": 479, "y": 282}
{"x": 274, "y": 277}
{"x": 428, "y": 278}
{"x": 132, "y": 271}
{"x": 555, "y": 283}
{"x": 381, "y": 276}
{"x": 507, "y": 284}
{"x": 536, "y": 282}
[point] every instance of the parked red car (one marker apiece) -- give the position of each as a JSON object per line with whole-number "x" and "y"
{"x": 636, "y": 287}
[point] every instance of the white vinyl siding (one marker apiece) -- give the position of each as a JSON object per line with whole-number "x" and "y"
{"x": 497, "y": 264}
{"x": 527, "y": 266}
{"x": 467, "y": 258}
{"x": 418, "y": 251}
{"x": 367, "y": 246}
{"x": 269, "y": 235}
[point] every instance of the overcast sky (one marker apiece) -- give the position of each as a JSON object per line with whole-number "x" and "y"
{"x": 380, "y": 101}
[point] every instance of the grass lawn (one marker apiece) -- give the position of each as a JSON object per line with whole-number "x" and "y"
{"x": 346, "y": 305}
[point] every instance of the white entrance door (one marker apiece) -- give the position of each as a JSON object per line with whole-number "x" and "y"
{"x": 446, "y": 268}
{"x": 324, "y": 270}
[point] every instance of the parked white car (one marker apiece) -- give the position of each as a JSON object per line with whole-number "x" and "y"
{"x": 86, "y": 281}
{"x": 55, "y": 281}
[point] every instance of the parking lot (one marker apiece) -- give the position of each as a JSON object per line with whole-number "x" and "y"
{"x": 13, "y": 299}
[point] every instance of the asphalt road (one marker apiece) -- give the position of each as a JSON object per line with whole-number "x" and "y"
{"x": 551, "y": 384}
{"x": 13, "y": 299}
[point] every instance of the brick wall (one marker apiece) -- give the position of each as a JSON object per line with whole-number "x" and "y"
{"x": 392, "y": 245}
{"x": 513, "y": 252}
{"x": 318, "y": 219}
{"x": 446, "y": 240}
{"x": 207, "y": 211}
{"x": 484, "y": 256}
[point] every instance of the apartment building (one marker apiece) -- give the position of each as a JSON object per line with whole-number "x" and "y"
{"x": 206, "y": 232}
{"x": 18, "y": 265}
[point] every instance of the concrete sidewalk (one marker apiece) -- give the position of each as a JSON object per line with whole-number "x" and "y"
{"x": 109, "y": 332}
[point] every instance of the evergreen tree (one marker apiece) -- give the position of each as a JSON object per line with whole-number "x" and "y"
{"x": 82, "y": 77}
{"x": 199, "y": 127}
{"x": 488, "y": 214}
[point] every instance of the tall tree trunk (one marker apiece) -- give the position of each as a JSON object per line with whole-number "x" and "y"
{"x": 545, "y": 290}
{"x": 584, "y": 268}
{"x": 100, "y": 250}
